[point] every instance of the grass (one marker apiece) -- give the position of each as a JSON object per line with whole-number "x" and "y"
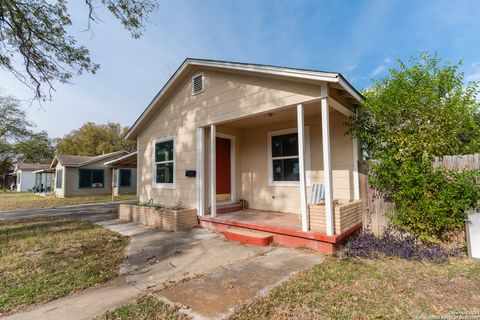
{"x": 352, "y": 289}
{"x": 372, "y": 289}
{"x": 43, "y": 259}
{"x": 144, "y": 308}
{"x": 28, "y": 200}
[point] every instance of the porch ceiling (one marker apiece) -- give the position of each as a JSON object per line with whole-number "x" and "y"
{"x": 277, "y": 116}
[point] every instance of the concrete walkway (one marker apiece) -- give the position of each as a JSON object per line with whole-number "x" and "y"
{"x": 218, "y": 294}
{"x": 201, "y": 270}
{"x": 93, "y": 212}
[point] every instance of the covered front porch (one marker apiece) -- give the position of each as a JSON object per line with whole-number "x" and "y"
{"x": 44, "y": 181}
{"x": 273, "y": 164}
{"x": 286, "y": 229}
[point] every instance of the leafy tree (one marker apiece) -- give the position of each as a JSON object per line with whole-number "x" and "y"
{"x": 36, "y": 47}
{"x": 36, "y": 148}
{"x": 92, "y": 139}
{"x": 13, "y": 123}
{"x": 420, "y": 111}
{"x": 13, "y": 129}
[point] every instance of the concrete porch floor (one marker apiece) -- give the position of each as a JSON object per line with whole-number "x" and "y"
{"x": 287, "y": 221}
{"x": 285, "y": 227}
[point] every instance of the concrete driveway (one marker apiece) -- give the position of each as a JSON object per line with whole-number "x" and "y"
{"x": 200, "y": 270}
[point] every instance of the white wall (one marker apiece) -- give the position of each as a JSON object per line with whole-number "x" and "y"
{"x": 27, "y": 180}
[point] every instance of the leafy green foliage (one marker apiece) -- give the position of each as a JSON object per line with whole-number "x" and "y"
{"x": 418, "y": 112}
{"x": 92, "y": 139}
{"x": 18, "y": 143}
{"x": 37, "y": 148}
{"x": 36, "y": 47}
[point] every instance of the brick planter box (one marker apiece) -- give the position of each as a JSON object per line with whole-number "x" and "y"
{"x": 346, "y": 216}
{"x": 161, "y": 218}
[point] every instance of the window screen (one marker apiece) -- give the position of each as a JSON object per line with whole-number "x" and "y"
{"x": 91, "y": 178}
{"x": 59, "y": 179}
{"x": 285, "y": 163}
{"x": 125, "y": 177}
{"x": 164, "y": 161}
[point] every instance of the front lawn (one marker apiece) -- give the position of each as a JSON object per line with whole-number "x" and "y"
{"x": 144, "y": 308}
{"x": 28, "y": 200}
{"x": 384, "y": 288}
{"x": 47, "y": 258}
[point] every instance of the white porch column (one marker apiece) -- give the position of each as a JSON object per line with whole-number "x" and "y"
{"x": 356, "y": 182}
{"x": 213, "y": 171}
{"x": 301, "y": 166}
{"x": 327, "y": 166}
{"x": 200, "y": 172}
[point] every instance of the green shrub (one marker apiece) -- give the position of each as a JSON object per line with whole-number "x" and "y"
{"x": 432, "y": 203}
{"x": 412, "y": 115}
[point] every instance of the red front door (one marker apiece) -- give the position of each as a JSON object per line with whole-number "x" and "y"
{"x": 223, "y": 166}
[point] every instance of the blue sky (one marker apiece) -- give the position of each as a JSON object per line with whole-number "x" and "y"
{"x": 360, "y": 39}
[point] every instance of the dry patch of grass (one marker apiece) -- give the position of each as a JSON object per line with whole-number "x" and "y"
{"x": 372, "y": 289}
{"x": 26, "y": 200}
{"x": 43, "y": 259}
{"x": 144, "y": 308}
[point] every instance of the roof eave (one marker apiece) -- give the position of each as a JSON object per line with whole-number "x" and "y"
{"x": 99, "y": 158}
{"x": 131, "y": 154}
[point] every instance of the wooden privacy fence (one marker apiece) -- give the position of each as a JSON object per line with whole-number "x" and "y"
{"x": 377, "y": 208}
{"x": 466, "y": 162}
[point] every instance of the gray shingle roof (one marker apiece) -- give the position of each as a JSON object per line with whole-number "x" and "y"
{"x": 77, "y": 161}
{"x": 31, "y": 166}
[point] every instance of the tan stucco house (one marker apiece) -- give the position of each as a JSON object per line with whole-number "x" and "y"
{"x": 85, "y": 175}
{"x": 220, "y": 132}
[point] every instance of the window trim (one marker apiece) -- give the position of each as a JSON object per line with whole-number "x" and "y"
{"x": 119, "y": 180}
{"x": 154, "y": 165}
{"x": 56, "y": 177}
{"x": 282, "y": 132}
{"x": 91, "y": 169}
{"x": 203, "y": 83}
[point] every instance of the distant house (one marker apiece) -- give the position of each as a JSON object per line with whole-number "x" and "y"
{"x": 124, "y": 174}
{"x": 25, "y": 176}
{"x": 83, "y": 175}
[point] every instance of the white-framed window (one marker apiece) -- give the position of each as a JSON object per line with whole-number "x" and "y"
{"x": 283, "y": 158}
{"x": 164, "y": 163}
{"x": 198, "y": 83}
{"x": 59, "y": 178}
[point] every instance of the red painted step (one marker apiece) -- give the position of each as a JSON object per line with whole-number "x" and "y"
{"x": 228, "y": 207}
{"x": 256, "y": 238}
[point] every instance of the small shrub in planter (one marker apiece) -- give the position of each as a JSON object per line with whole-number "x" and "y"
{"x": 394, "y": 243}
{"x": 173, "y": 218}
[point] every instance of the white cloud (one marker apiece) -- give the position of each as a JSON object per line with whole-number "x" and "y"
{"x": 378, "y": 70}
{"x": 387, "y": 60}
{"x": 352, "y": 67}
{"x": 475, "y": 76}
